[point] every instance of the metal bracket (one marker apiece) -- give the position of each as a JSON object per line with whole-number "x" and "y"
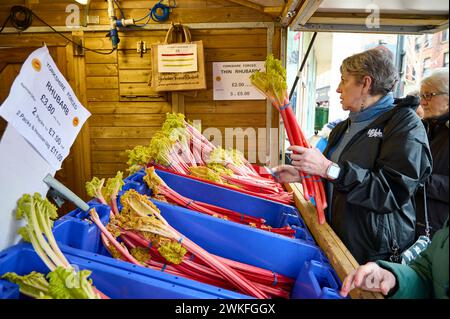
{"x": 141, "y": 47}
{"x": 78, "y": 49}
{"x": 61, "y": 191}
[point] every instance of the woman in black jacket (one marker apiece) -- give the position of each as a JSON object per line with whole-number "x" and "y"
{"x": 374, "y": 161}
{"x": 434, "y": 101}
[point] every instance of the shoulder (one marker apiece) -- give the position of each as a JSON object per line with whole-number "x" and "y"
{"x": 405, "y": 120}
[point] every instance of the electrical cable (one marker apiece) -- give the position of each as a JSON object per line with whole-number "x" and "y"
{"x": 157, "y": 8}
{"x": 120, "y": 9}
{"x": 25, "y": 23}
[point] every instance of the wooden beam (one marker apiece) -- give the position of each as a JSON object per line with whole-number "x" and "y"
{"x": 305, "y": 12}
{"x": 82, "y": 146}
{"x": 340, "y": 258}
{"x": 359, "y": 18}
{"x": 289, "y": 11}
{"x": 269, "y": 10}
{"x": 248, "y": 4}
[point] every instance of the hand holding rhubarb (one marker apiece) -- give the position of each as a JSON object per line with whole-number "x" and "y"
{"x": 309, "y": 160}
{"x": 272, "y": 83}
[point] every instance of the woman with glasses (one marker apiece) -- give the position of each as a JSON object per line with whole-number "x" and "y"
{"x": 434, "y": 101}
{"x": 373, "y": 163}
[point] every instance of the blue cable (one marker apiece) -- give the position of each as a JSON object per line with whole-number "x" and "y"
{"x": 165, "y": 12}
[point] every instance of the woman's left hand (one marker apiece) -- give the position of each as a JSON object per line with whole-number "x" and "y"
{"x": 310, "y": 160}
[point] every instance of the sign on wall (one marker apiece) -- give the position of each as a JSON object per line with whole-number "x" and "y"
{"x": 232, "y": 80}
{"x": 179, "y": 58}
{"x": 43, "y": 108}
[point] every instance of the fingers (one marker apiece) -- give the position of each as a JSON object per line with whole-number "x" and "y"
{"x": 357, "y": 278}
{"x": 362, "y": 272}
{"x": 297, "y": 149}
{"x": 283, "y": 168}
{"x": 347, "y": 285}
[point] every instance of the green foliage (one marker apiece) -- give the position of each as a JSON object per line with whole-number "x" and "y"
{"x": 33, "y": 285}
{"x": 95, "y": 186}
{"x": 172, "y": 251}
{"x": 272, "y": 81}
{"x": 65, "y": 283}
{"x": 114, "y": 185}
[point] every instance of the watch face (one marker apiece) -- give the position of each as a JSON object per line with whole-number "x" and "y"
{"x": 333, "y": 171}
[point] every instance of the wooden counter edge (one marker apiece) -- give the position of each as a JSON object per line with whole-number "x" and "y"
{"x": 339, "y": 256}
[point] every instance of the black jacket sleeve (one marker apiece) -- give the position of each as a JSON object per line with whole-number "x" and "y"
{"x": 404, "y": 161}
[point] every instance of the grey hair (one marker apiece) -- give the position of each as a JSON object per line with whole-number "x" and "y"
{"x": 438, "y": 80}
{"x": 378, "y": 64}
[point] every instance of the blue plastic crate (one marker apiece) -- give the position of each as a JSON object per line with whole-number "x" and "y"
{"x": 8, "y": 290}
{"x": 238, "y": 242}
{"x": 114, "y": 278}
{"x": 275, "y": 214}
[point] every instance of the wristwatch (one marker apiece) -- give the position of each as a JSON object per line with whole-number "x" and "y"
{"x": 333, "y": 171}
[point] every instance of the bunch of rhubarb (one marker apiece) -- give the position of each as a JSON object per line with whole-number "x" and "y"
{"x": 272, "y": 83}
{"x": 180, "y": 148}
{"x": 147, "y": 239}
{"x": 159, "y": 187}
{"x": 64, "y": 282}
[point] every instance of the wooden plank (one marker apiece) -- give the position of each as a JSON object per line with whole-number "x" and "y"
{"x": 129, "y": 107}
{"x": 239, "y": 54}
{"x": 93, "y": 57}
{"x": 205, "y": 15}
{"x": 150, "y": 99}
{"x": 127, "y": 41}
{"x": 340, "y": 258}
{"x": 225, "y": 107}
{"x": 141, "y": 120}
{"x": 110, "y": 82}
{"x": 117, "y": 144}
{"x": 123, "y": 132}
{"x": 129, "y": 59}
{"x": 138, "y": 89}
{"x": 94, "y": 95}
{"x": 385, "y": 19}
{"x": 108, "y": 168}
{"x": 134, "y": 76}
{"x": 101, "y": 70}
{"x": 109, "y": 156}
{"x": 32, "y": 40}
{"x": 81, "y": 148}
{"x": 231, "y": 120}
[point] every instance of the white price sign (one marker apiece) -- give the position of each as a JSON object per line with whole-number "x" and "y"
{"x": 44, "y": 109}
{"x": 232, "y": 80}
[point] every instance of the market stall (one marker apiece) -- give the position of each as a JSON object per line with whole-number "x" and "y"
{"x": 111, "y": 54}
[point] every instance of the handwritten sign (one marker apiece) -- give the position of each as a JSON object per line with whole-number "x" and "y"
{"x": 232, "y": 80}
{"x": 179, "y": 58}
{"x": 44, "y": 109}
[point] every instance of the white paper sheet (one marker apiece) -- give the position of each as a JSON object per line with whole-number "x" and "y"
{"x": 22, "y": 170}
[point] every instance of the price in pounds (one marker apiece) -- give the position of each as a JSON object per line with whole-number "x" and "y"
{"x": 240, "y": 93}
{"x": 56, "y": 138}
{"x": 57, "y": 154}
{"x": 48, "y": 106}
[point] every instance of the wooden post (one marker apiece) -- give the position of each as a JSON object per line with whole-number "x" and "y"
{"x": 82, "y": 147}
{"x": 338, "y": 255}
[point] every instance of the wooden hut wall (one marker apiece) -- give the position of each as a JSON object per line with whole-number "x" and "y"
{"x": 125, "y": 110}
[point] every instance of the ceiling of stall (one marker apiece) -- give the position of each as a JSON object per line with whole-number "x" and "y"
{"x": 395, "y": 16}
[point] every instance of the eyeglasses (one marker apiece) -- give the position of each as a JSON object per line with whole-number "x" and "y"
{"x": 429, "y": 96}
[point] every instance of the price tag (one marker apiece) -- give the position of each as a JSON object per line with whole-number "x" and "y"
{"x": 44, "y": 109}
{"x": 232, "y": 80}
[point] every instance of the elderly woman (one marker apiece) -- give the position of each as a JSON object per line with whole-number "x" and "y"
{"x": 373, "y": 163}
{"x": 434, "y": 101}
